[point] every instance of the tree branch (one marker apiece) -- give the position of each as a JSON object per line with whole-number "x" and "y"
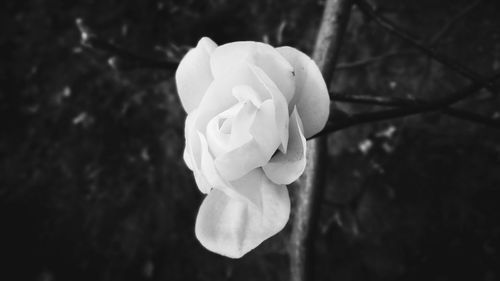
{"x": 367, "y": 9}
{"x": 304, "y": 220}
{"x": 361, "y": 118}
{"x": 448, "y": 25}
{"x": 433, "y": 41}
{"x": 399, "y": 102}
{"x": 363, "y": 62}
{"x": 120, "y": 57}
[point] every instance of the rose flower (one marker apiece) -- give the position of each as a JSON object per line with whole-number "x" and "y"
{"x": 250, "y": 109}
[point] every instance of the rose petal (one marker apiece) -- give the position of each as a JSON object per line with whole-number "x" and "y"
{"x": 219, "y": 130}
{"x": 254, "y": 139}
{"x": 243, "y": 154}
{"x": 259, "y": 54}
{"x": 188, "y": 131}
{"x": 239, "y": 161}
{"x": 187, "y": 158}
{"x": 232, "y": 227}
{"x": 311, "y": 94}
{"x": 193, "y": 153}
{"x": 246, "y": 93}
{"x": 201, "y": 182}
{"x": 219, "y": 95}
{"x": 241, "y": 123}
{"x": 241, "y": 188}
{"x": 208, "y": 44}
{"x": 218, "y": 141}
{"x": 285, "y": 168}
{"x": 208, "y": 178}
{"x": 264, "y": 129}
{"x": 280, "y": 105}
{"x": 193, "y": 76}
{"x": 207, "y": 165}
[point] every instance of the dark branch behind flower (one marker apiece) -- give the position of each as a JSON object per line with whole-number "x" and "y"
{"x": 346, "y": 121}
{"x": 120, "y": 58}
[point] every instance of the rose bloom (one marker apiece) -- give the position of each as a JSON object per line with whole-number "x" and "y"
{"x": 250, "y": 109}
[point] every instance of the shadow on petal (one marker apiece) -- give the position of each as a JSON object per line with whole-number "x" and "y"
{"x": 285, "y": 168}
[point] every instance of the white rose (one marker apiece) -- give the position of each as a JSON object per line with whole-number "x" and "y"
{"x": 250, "y": 109}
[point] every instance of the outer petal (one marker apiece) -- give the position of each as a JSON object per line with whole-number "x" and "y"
{"x": 232, "y": 227}
{"x": 188, "y": 134}
{"x": 193, "y": 153}
{"x": 311, "y": 95}
{"x": 259, "y": 54}
{"x": 207, "y": 165}
{"x": 285, "y": 168}
{"x": 193, "y": 76}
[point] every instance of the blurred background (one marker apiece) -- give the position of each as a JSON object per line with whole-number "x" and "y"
{"x": 92, "y": 181}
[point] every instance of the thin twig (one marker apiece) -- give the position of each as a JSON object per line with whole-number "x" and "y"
{"x": 366, "y": 8}
{"x": 447, "y": 27}
{"x": 363, "y": 62}
{"x": 362, "y": 118}
{"x": 400, "y": 102}
{"x": 120, "y": 57}
{"x": 371, "y": 100}
{"x": 305, "y": 216}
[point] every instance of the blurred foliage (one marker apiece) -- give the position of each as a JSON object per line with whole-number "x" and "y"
{"x": 93, "y": 186}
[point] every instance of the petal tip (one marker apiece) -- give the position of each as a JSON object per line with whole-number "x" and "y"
{"x": 207, "y": 44}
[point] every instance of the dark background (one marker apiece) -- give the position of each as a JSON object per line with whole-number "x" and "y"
{"x": 92, "y": 182}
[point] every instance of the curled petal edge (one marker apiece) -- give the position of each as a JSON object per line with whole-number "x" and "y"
{"x": 193, "y": 75}
{"x": 311, "y": 92}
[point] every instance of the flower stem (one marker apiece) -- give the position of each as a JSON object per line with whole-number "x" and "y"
{"x": 305, "y": 215}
